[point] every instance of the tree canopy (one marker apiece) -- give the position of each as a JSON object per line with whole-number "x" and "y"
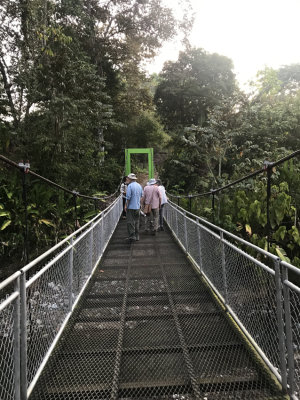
{"x": 190, "y": 86}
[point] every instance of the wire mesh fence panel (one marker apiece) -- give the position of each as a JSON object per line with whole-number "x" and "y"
{"x": 294, "y": 298}
{"x": 246, "y": 286}
{"x": 47, "y": 306}
{"x": 211, "y": 253}
{"x": 252, "y": 296}
{"x": 181, "y": 228}
{"x": 53, "y": 283}
{"x": 8, "y": 352}
{"x": 193, "y": 240}
{"x": 80, "y": 264}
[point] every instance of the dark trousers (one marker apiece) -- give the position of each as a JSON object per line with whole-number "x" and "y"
{"x": 133, "y": 223}
{"x": 161, "y": 215}
{"x": 124, "y": 201}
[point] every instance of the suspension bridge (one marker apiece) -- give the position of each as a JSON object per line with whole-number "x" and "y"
{"x": 194, "y": 312}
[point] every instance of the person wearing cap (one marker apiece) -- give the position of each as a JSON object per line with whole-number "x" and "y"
{"x": 164, "y": 201}
{"x": 132, "y": 207}
{"x": 152, "y": 196}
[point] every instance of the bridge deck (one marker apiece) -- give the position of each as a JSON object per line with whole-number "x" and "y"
{"x": 147, "y": 327}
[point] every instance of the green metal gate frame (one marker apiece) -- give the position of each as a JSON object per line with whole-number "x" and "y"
{"x": 148, "y": 151}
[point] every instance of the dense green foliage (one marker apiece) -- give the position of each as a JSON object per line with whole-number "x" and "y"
{"x": 73, "y": 96}
{"x": 233, "y": 137}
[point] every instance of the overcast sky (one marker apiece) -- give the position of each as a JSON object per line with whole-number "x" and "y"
{"x": 253, "y": 33}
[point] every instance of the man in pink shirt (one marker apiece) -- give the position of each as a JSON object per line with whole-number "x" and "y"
{"x": 152, "y": 196}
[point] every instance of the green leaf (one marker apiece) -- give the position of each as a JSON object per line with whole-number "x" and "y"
{"x": 4, "y": 214}
{"x": 46, "y": 222}
{"x": 243, "y": 214}
{"x": 90, "y": 214}
{"x": 5, "y": 224}
{"x": 280, "y": 233}
{"x": 282, "y": 254}
{"x": 248, "y": 229}
{"x": 263, "y": 220}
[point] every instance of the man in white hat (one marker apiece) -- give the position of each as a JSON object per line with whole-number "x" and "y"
{"x": 152, "y": 196}
{"x": 132, "y": 207}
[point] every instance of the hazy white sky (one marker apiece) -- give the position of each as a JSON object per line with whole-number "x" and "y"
{"x": 253, "y": 33}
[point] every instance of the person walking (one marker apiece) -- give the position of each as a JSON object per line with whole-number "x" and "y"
{"x": 164, "y": 201}
{"x": 152, "y": 197}
{"x": 132, "y": 207}
{"x": 123, "y": 189}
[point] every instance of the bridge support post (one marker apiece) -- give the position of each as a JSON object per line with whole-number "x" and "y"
{"x": 213, "y": 203}
{"x": 17, "y": 361}
{"x": 289, "y": 333}
{"x": 23, "y": 338}
{"x": 71, "y": 276}
{"x": 185, "y": 235}
{"x": 224, "y": 268}
{"x": 176, "y": 219}
{"x": 101, "y": 235}
{"x": 199, "y": 244}
{"x": 91, "y": 248}
{"x": 24, "y": 195}
{"x": 281, "y": 337}
{"x": 75, "y": 209}
{"x": 269, "y": 174}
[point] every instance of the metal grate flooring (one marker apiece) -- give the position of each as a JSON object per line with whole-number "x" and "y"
{"x": 147, "y": 327}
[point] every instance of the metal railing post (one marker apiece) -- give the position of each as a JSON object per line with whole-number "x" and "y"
{"x": 199, "y": 244}
{"x": 269, "y": 174}
{"x": 75, "y": 209}
{"x": 190, "y": 203}
{"x": 101, "y": 234}
{"x": 185, "y": 234}
{"x": 24, "y": 171}
{"x": 279, "y": 312}
{"x": 17, "y": 361}
{"x": 91, "y": 248}
{"x": 176, "y": 221}
{"x": 224, "y": 268}
{"x": 288, "y": 333}
{"x": 23, "y": 338}
{"x": 213, "y": 203}
{"x": 71, "y": 276}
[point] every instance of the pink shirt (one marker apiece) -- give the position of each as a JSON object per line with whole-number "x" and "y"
{"x": 154, "y": 192}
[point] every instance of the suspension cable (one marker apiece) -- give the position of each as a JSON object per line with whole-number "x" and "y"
{"x": 21, "y": 166}
{"x": 267, "y": 165}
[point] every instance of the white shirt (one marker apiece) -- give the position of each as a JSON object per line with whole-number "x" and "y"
{"x": 162, "y": 190}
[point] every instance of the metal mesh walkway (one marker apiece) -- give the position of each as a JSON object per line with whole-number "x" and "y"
{"x": 147, "y": 327}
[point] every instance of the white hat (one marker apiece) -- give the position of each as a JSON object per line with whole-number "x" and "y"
{"x": 152, "y": 181}
{"x": 132, "y": 176}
